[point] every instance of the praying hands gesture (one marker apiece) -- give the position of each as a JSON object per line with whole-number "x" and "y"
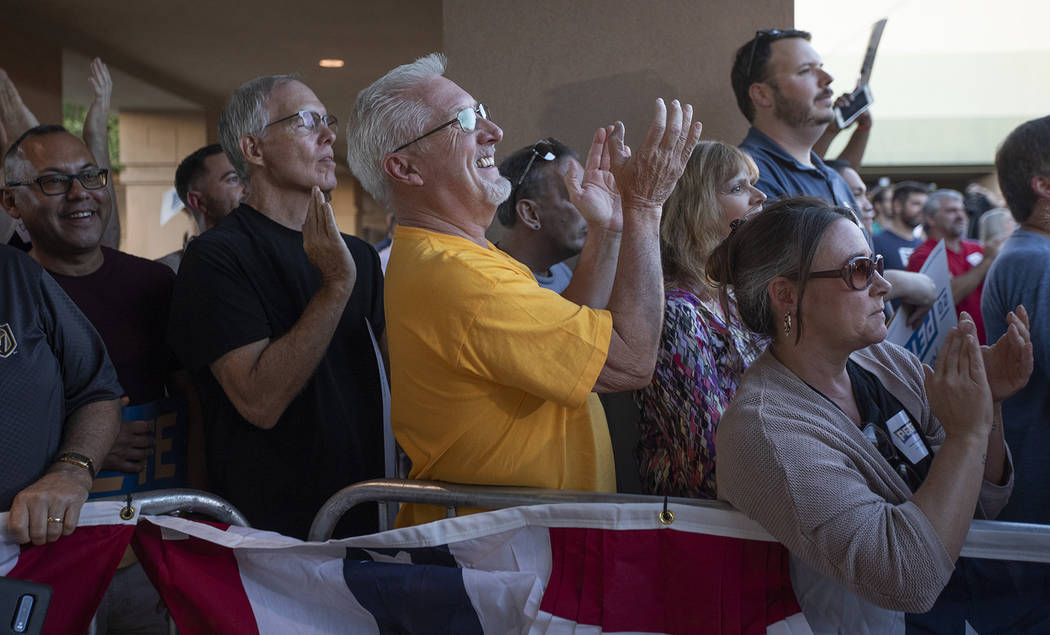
{"x": 324, "y": 245}
{"x": 647, "y": 177}
{"x": 958, "y": 388}
{"x": 592, "y": 189}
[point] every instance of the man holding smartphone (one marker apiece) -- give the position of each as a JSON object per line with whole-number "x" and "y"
{"x": 783, "y": 90}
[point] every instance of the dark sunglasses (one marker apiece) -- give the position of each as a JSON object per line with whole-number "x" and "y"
{"x": 542, "y": 150}
{"x": 58, "y": 184}
{"x": 857, "y": 273}
{"x": 467, "y": 119}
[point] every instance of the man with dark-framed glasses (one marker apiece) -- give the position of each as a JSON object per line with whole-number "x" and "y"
{"x": 58, "y": 191}
{"x": 492, "y": 377}
{"x": 55, "y": 187}
{"x": 542, "y": 227}
{"x": 270, "y": 315}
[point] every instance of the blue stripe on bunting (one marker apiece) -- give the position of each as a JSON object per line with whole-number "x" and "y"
{"x": 421, "y": 591}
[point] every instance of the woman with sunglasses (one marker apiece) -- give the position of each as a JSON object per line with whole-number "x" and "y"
{"x": 704, "y": 347}
{"x": 865, "y": 464}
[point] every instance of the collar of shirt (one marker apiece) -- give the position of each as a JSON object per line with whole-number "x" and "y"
{"x": 758, "y": 143}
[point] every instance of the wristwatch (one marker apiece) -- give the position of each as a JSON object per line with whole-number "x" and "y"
{"x": 75, "y": 458}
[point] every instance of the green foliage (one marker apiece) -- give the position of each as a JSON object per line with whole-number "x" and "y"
{"x": 73, "y": 116}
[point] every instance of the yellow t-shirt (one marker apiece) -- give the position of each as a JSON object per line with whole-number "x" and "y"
{"x": 491, "y": 374}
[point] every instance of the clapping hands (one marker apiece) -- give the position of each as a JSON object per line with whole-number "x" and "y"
{"x": 1010, "y": 360}
{"x": 646, "y": 177}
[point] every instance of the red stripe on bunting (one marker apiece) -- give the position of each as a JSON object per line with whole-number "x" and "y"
{"x": 667, "y": 581}
{"x": 199, "y": 581}
{"x": 78, "y": 568}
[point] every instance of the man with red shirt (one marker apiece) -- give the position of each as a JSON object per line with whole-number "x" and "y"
{"x": 945, "y": 217}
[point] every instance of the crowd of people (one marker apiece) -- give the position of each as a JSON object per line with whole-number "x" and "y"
{"x": 742, "y": 293}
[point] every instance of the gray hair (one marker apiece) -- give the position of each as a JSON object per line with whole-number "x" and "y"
{"x": 385, "y": 115}
{"x": 246, "y": 114}
{"x": 992, "y": 224}
{"x": 933, "y": 201}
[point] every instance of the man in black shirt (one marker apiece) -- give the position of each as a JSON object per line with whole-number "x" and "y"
{"x": 270, "y": 315}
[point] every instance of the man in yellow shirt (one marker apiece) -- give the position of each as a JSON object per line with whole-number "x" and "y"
{"x": 492, "y": 375}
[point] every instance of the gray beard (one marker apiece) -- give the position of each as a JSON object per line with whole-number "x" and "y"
{"x": 496, "y": 193}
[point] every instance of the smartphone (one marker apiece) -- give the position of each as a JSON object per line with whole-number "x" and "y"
{"x": 23, "y": 606}
{"x": 861, "y": 101}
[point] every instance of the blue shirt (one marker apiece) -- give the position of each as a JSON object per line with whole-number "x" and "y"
{"x": 780, "y": 174}
{"x": 1021, "y": 275}
{"x": 558, "y": 281}
{"x": 894, "y": 249}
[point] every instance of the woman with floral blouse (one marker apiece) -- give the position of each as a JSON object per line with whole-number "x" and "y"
{"x": 704, "y": 348}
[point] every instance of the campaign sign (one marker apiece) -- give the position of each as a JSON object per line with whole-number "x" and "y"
{"x": 925, "y": 341}
{"x": 168, "y": 466}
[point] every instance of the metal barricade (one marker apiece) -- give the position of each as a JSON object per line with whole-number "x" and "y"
{"x": 189, "y": 501}
{"x": 986, "y": 539}
{"x": 453, "y": 495}
{"x": 168, "y": 501}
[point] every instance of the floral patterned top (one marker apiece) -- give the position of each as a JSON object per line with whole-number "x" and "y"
{"x": 702, "y": 357}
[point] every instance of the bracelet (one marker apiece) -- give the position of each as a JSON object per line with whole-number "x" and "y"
{"x": 73, "y": 458}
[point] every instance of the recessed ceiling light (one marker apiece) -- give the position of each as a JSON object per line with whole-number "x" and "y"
{"x": 326, "y": 63}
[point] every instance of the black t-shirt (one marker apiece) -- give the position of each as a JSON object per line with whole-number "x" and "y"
{"x": 248, "y": 279}
{"x": 127, "y": 301}
{"x": 52, "y": 362}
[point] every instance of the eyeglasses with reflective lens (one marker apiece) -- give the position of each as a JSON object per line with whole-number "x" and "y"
{"x": 308, "y": 119}
{"x": 466, "y": 118}
{"x": 58, "y": 184}
{"x": 857, "y": 273}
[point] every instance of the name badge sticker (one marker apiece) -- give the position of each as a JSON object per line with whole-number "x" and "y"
{"x": 906, "y": 438}
{"x": 975, "y": 258}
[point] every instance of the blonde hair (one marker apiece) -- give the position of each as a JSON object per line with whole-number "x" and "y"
{"x": 693, "y": 219}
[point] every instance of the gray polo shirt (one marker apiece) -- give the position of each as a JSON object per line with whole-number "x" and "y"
{"x": 51, "y": 363}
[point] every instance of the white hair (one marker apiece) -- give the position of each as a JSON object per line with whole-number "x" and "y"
{"x": 386, "y": 115}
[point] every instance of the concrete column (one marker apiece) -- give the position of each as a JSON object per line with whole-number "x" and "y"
{"x": 151, "y": 146}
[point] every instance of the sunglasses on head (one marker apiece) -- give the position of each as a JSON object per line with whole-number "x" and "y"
{"x": 542, "y": 150}
{"x": 857, "y": 273}
{"x": 467, "y": 119}
{"x": 771, "y": 35}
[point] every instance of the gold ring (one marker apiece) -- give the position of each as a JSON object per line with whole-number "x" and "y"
{"x": 52, "y": 519}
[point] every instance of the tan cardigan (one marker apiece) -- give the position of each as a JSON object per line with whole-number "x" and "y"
{"x": 795, "y": 463}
